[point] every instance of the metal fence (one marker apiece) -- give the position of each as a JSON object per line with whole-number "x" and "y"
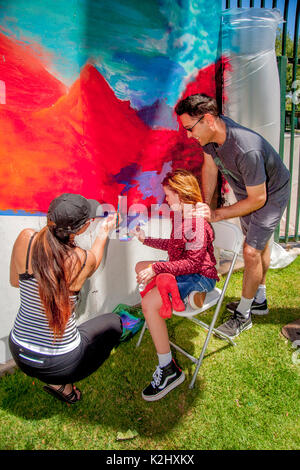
{"x": 287, "y": 59}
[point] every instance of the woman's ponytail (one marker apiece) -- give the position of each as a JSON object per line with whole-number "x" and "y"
{"x": 49, "y": 256}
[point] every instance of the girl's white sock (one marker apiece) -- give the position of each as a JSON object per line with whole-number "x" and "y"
{"x": 164, "y": 359}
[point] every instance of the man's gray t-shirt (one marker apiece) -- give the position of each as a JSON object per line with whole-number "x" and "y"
{"x": 247, "y": 159}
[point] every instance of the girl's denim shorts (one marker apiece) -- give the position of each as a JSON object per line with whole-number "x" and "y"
{"x": 189, "y": 282}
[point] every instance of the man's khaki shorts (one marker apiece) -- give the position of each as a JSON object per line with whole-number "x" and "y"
{"x": 259, "y": 226}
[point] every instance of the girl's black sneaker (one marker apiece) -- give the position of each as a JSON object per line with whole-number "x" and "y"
{"x": 164, "y": 380}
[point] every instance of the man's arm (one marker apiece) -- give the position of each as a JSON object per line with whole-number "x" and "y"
{"x": 209, "y": 178}
{"x": 256, "y": 198}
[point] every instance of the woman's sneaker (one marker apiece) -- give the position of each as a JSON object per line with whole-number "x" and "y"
{"x": 164, "y": 380}
{"x": 196, "y": 299}
{"x": 256, "y": 308}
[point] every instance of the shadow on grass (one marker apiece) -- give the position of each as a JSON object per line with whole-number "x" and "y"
{"x": 112, "y": 396}
{"x": 276, "y": 316}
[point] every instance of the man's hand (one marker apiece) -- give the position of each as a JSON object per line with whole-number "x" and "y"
{"x": 204, "y": 211}
{"x": 256, "y": 198}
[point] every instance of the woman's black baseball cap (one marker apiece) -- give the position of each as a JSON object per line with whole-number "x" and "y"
{"x": 71, "y": 211}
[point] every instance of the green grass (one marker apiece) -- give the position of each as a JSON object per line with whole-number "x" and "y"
{"x": 245, "y": 397}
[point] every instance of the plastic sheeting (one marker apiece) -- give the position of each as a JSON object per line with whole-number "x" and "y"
{"x": 251, "y": 85}
{"x": 280, "y": 258}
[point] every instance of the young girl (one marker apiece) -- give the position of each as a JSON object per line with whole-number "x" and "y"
{"x": 191, "y": 263}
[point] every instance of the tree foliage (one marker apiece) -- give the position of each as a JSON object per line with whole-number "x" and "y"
{"x": 289, "y": 54}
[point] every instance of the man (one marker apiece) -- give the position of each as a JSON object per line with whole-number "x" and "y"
{"x": 260, "y": 182}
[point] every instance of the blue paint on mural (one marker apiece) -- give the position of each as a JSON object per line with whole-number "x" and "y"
{"x": 150, "y": 182}
{"x": 147, "y": 51}
{"x": 21, "y": 212}
{"x": 147, "y": 182}
{"x": 136, "y": 59}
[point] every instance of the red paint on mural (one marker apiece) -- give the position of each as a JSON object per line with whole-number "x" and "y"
{"x": 55, "y": 140}
{"x": 28, "y": 84}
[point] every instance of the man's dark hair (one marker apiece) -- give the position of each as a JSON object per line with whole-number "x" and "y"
{"x": 197, "y": 105}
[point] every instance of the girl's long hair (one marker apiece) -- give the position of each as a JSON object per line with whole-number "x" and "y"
{"x": 50, "y": 256}
{"x": 185, "y": 184}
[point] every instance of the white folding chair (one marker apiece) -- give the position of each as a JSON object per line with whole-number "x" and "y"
{"x": 228, "y": 237}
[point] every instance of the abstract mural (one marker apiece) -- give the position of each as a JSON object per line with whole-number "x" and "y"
{"x": 87, "y": 92}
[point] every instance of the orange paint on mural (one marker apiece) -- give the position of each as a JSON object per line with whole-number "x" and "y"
{"x": 56, "y": 140}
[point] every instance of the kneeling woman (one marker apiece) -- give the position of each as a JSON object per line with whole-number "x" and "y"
{"x": 50, "y": 270}
{"x": 188, "y": 275}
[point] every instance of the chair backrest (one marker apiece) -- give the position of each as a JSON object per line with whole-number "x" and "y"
{"x": 228, "y": 236}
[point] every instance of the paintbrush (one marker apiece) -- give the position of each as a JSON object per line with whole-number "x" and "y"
{"x": 118, "y": 212}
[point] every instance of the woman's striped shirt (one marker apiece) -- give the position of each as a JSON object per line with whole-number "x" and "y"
{"x": 31, "y": 328}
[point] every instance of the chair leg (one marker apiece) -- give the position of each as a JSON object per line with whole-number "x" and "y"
{"x": 198, "y": 366}
{"x": 210, "y": 331}
{"x": 141, "y": 335}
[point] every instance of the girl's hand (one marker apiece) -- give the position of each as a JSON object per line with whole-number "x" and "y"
{"x": 139, "y": 233}
{"x": 145, "y": 275}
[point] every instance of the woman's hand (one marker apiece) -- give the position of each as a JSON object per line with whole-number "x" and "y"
{"x": 145, "y": 275}
{"x": 108, "y": 225}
